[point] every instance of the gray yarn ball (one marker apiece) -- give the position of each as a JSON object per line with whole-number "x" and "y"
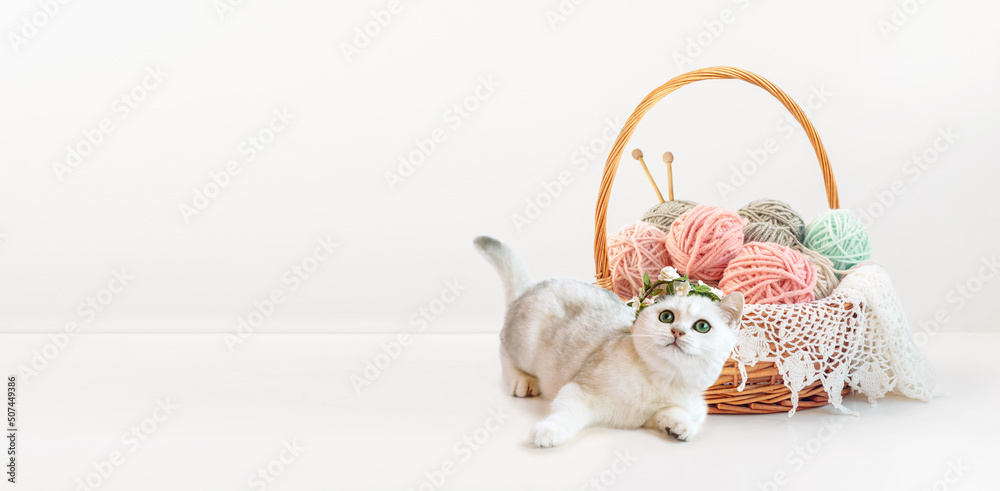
{"x": 826, "y": 276}
{"x": 770, "y": 220}
{"x": 768, "y": 232}
{"x": 662, "y": 215}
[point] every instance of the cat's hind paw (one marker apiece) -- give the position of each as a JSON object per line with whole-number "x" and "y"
{"x": 525, "y": 386}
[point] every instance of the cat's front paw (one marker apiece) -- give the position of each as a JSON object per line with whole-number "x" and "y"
{"x": 677, "y": 423}
{"x": 547, "y": 435}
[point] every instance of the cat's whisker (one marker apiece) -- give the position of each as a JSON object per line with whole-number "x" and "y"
{"x": 651, "y": 345}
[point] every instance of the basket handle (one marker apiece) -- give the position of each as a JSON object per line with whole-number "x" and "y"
{"x": 719, "y": 72}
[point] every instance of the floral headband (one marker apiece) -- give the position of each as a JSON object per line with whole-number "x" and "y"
{"x": 670, "y": 283}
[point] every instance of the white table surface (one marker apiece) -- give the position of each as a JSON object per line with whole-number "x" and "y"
{"x": 235, "y": 413}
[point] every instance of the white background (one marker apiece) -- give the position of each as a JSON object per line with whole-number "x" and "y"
{"x": 373, "y": 414}
{"x": 560, "y": 80}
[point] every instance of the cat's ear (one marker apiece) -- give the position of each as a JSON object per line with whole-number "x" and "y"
{"x": 732, "y": 308}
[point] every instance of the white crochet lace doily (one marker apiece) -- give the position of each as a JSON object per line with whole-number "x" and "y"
{"x": 858, "y": 335}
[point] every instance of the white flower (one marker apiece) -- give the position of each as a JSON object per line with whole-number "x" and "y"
{"x": 714, "y": 290}
{"x": 668, "y": 273}
{"x": 682, "y": 288}
{"x": 635, "y": 304}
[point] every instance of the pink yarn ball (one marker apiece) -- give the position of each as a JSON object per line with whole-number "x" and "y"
{"x": 636, "y": 249}
{"x": 702, "y": 241}
{"x": 769, "y": 273}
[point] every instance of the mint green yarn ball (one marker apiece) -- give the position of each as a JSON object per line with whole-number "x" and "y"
{"x": 839, "y": 235}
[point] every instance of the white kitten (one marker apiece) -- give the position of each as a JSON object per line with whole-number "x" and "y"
{"x": 580, "y": 345}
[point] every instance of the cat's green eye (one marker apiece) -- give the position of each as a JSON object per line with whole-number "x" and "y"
{"x": 666, "y": 317}
{"x": 702, "y": 326}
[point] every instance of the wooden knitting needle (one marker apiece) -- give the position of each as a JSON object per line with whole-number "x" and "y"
{"x": 637, "y": 154}
{"x": 668, "y": 157}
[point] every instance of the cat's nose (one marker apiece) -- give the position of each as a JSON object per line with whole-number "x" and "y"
{"x": 677, "y": 333}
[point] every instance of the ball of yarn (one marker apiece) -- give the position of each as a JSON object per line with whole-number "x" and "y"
{"x": 826, "y": 276}
{"x": 636, "y": 249}
{"x": 702, "y": 241}
{"x": 663, "y": 214}
{"x": 768, "y": 273}
{"x": 840, "y": 236}
{"x": 770, "y": 220}
{"x": 767, "y": 232}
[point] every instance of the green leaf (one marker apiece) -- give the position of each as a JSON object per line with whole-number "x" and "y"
{"x": 645, "y": 280}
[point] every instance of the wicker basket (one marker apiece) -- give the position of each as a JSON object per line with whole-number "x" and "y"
{"x": 764, "y": 390}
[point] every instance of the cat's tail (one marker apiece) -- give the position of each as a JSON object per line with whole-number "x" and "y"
{"x": 511, "y": 269}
